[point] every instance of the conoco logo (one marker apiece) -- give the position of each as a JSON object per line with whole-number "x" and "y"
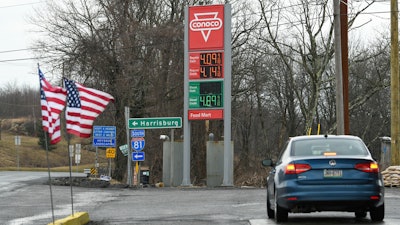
{"x": 205, "y": 23}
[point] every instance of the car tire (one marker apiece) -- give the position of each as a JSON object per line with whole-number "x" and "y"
{"x": 270, "y": 212}
{"x": 281, "y": 214}
{"x": 360, "y": 215}
{"x": 377, "y": 213}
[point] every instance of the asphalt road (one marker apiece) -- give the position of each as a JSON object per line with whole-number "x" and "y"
{"x": 24, "y": 199}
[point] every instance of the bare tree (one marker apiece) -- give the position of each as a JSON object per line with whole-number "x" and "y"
{"x": 131, "y": 49}
{"x": 282, "y": 73}
{"x": 301, "y": 34}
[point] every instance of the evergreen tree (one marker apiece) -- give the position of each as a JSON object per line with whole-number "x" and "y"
{"x": 43, "y": 138}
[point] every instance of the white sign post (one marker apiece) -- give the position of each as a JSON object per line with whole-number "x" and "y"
{"x": 77, "y": 156}
{"x": 17, "y": 142}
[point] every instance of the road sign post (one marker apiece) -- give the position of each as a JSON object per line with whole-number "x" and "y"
{"x": 110, "y": 154}
{"x": 129, "y": 161}
{"x": 17, "y": 142}
{"x": 137, "y": 128}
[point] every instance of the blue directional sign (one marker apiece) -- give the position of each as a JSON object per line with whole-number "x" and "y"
{"x": 137, "y": 156}
{"x": 137, "y": 133}
{"x": 104, "y": 131}
{"x": 138, "y": 143}
{"x": 103, "y": 142}
{"x": 104, "y": 136}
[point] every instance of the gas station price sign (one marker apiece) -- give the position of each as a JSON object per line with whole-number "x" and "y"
{"x": 208, "y": 94}
{"x": 205, "y": 65}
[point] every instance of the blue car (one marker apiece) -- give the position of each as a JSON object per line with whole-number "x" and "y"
{"x": 324, "y": 173}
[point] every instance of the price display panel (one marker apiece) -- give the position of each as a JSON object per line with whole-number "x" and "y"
{"x": 208, "y": 94}
{"x": 206, "y": 65}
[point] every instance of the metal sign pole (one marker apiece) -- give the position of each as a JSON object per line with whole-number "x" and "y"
{"x": 228, "y": 157}
{"x": 186, "y": 123}
{"x": 96, "y": 163}
{"x": 129, "y": 163}
{"x": 172, "y": 158}
{"x": 109, "y": 169}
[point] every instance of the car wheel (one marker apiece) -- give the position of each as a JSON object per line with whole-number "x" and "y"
{"x": 360, "y": 214}
{"x": 281, "y": 214}
{"x": 270, "y": 212}
{"x": 377, "y": 213}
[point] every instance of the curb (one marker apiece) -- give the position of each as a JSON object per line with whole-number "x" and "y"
{"x": 79, "y": 218}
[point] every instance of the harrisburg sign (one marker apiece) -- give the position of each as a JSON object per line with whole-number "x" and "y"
{"x": 155, "y": 123}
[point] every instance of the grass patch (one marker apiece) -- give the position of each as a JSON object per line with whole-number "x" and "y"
{"x": 30, "y": 156}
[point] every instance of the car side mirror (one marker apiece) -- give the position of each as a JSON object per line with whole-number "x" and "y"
{"x": 267, "y": 162}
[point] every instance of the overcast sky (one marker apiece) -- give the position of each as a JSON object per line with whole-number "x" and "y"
{"x": 16, "y": 38}
{"x": 15, "y": 41}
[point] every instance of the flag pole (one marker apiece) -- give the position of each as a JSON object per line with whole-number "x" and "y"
{"x": 48, "y": 167}
{"x": 71, "y": 152}
{"x": 69, "y": 155}
{"x": 48, "y": 170}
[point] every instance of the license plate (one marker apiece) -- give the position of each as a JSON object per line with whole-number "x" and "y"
{"x": 332, "y": 173}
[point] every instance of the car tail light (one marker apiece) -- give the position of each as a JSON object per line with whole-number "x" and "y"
{"x": 297, "y": 168}
{"x": 370, "y": 167}
{"x": 375, "y": 197}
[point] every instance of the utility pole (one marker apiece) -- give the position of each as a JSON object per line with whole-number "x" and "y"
{"x": 394, "y": 82}
{"x": 338, "y": 68}
{"x": 344, "y": 30}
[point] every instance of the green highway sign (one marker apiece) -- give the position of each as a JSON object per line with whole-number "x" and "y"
{"x": 155, "y": 123}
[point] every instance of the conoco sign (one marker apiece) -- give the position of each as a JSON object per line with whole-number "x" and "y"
{"x": 206, "y": 27}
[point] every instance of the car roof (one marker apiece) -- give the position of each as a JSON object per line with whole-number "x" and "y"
{"x": 326, "y": 136}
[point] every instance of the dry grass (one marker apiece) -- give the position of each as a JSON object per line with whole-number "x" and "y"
{"x": 32, "y": 157}
{"x": 251, "y": 178}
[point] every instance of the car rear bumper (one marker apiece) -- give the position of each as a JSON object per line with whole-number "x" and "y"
{"x": 350, "y": 198}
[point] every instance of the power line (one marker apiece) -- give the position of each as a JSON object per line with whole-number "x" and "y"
{"x": 23, "y": 59}
{"x": 18, "y": 50}
{"x": 18, "y": 5}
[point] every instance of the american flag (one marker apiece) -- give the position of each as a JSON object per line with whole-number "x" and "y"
{"x": 52, "y": 100}
{"x": 83, "y": 106}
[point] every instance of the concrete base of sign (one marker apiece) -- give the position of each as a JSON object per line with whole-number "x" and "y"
{"x": 79, "y": 218}
{"x": 215, "y": 164}
{"x": 173, "y": 164}
{"x": 172, "y": 167}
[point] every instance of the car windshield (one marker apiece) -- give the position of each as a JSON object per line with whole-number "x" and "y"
{"x": 327, "y": 147}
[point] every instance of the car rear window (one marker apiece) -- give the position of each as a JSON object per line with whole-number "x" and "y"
{"x": 328, "y": 147}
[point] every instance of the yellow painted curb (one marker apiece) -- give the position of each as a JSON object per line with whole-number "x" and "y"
{"x": 79, "y": 218}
